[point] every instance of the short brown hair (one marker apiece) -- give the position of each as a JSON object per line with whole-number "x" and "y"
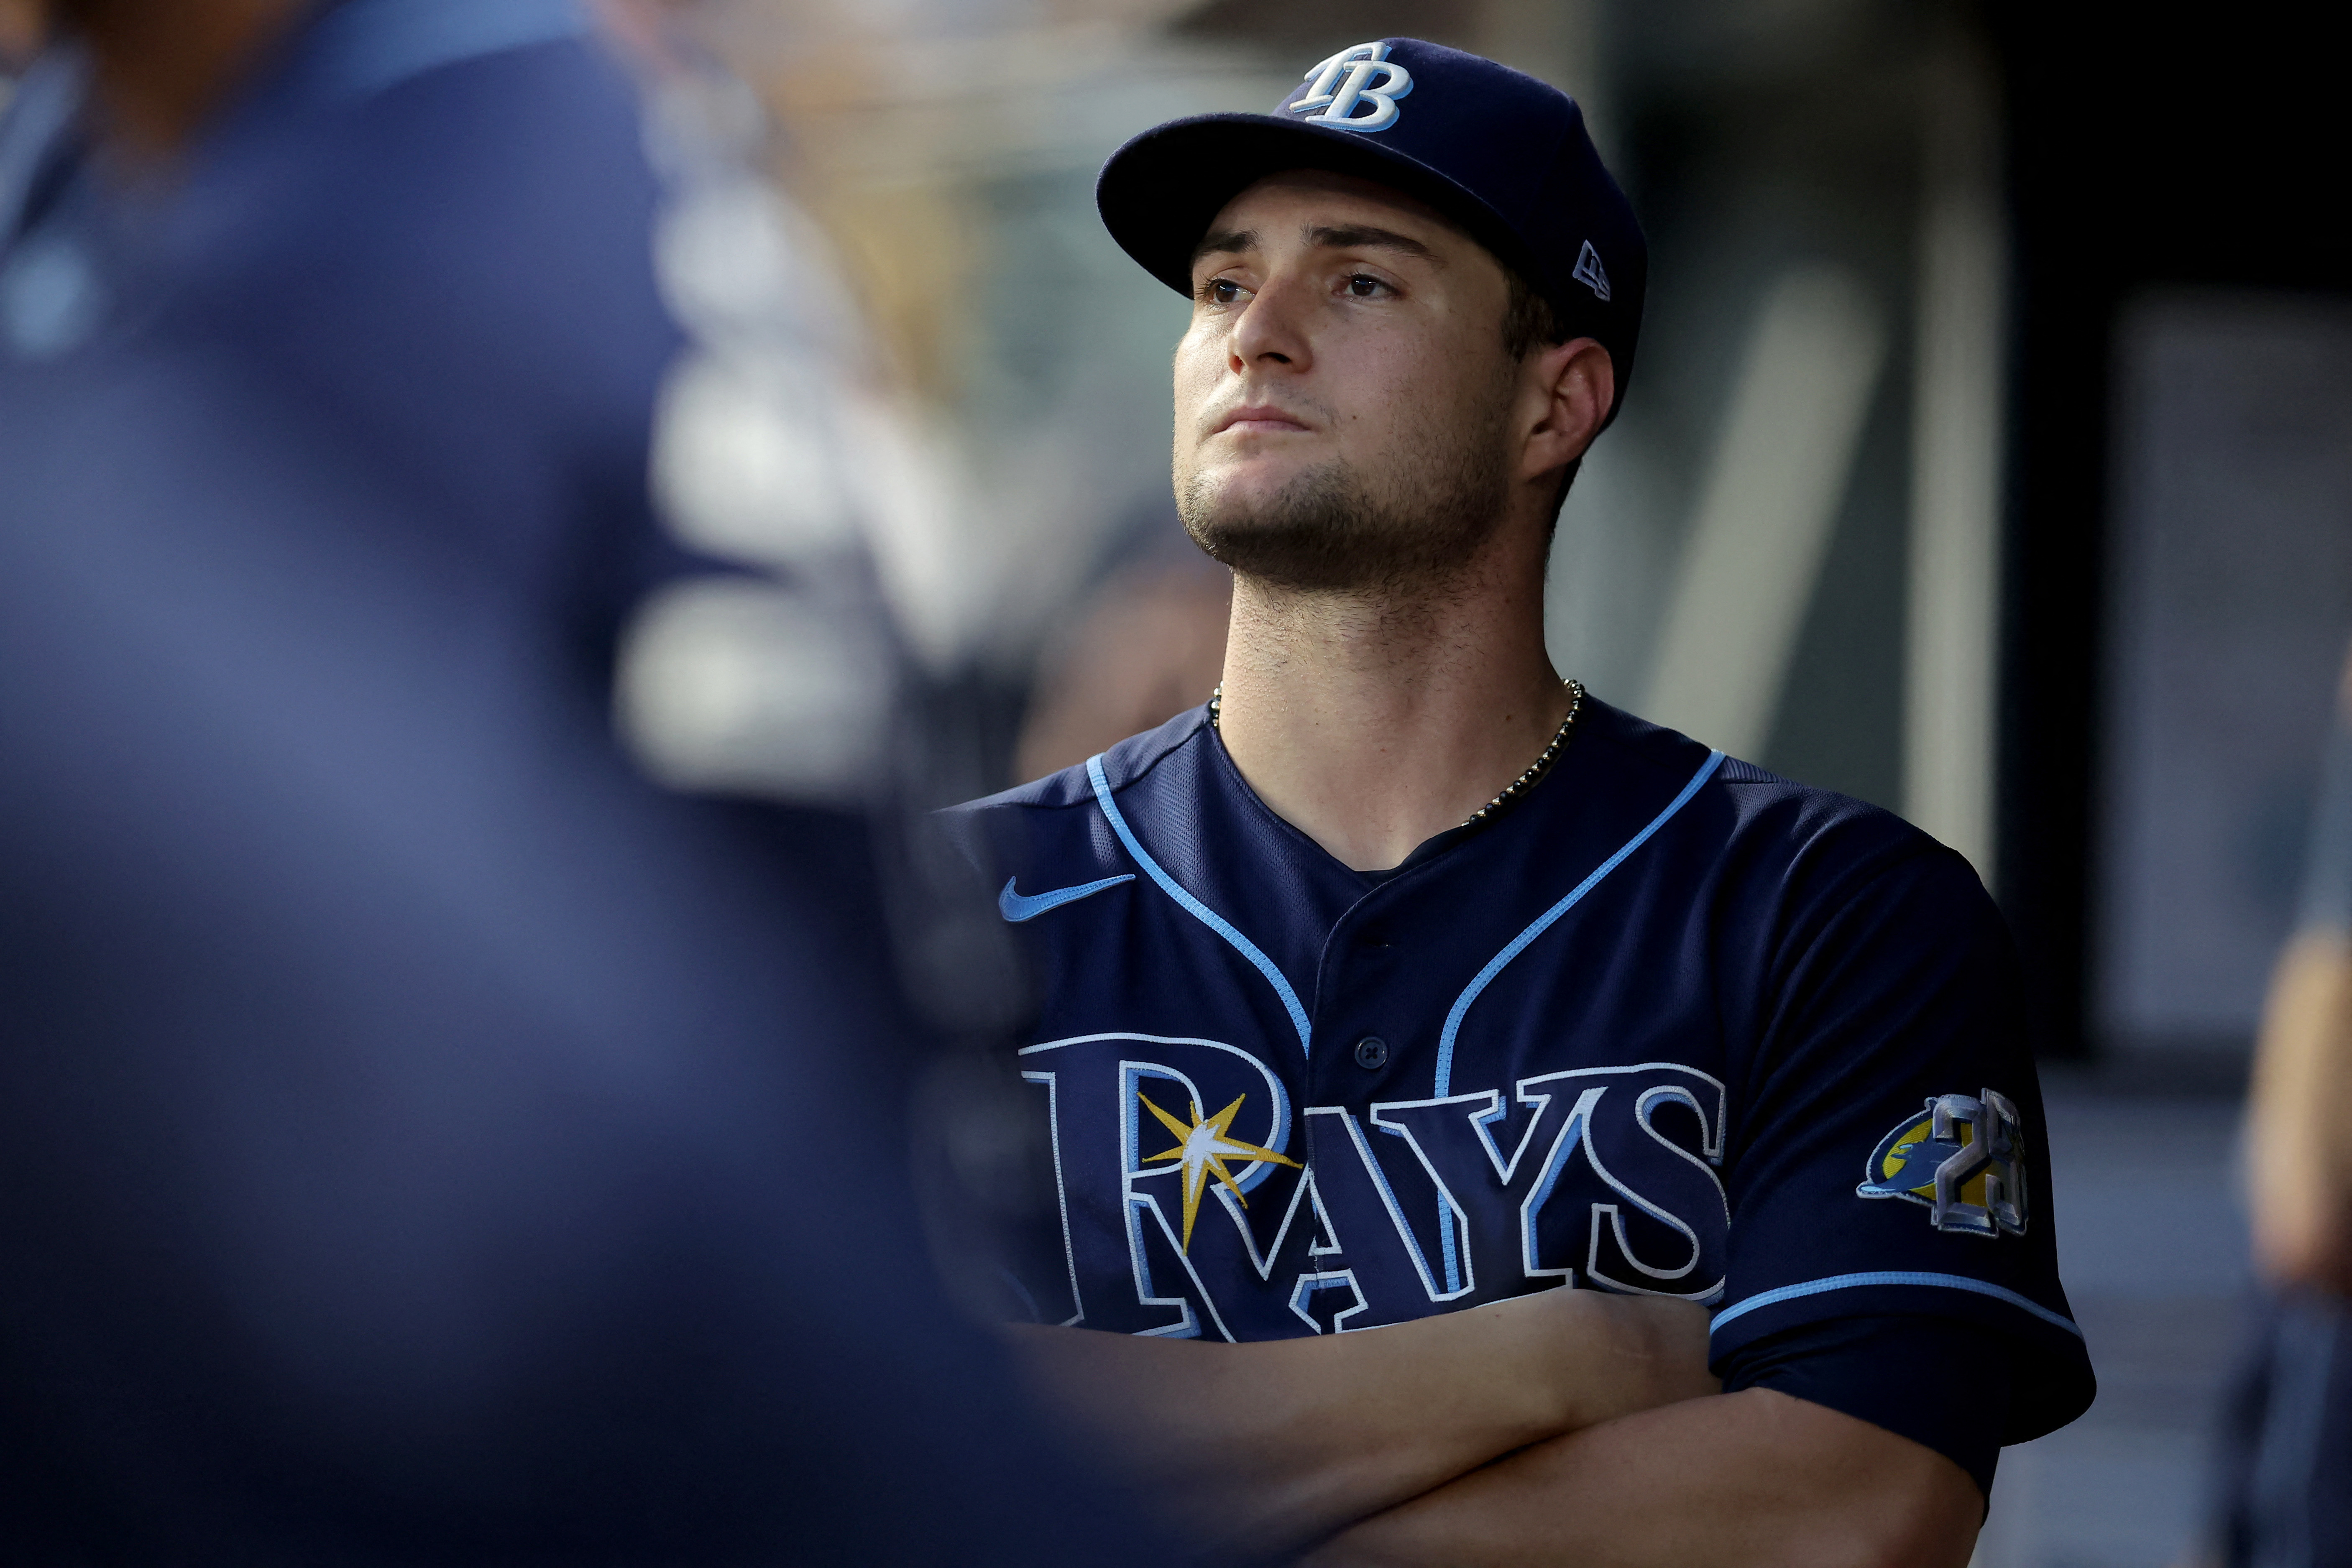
{"x": 1529, "y": 317}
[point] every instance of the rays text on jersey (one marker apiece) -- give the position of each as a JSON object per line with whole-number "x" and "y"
{"x": 1354, "y": 1216}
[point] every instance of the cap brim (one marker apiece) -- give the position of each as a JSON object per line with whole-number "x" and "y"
{"x": 1158, "y": 193}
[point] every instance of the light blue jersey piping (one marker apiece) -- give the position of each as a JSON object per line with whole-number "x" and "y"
{"x": 1195, "y": 907}
{"x": 1519, "y": 945}
{"x": 1857, "y": 1281}
{"x": 1543, "y": 922}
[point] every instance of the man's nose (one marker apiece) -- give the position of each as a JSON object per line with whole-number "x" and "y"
{"x": 1273, "y": 328}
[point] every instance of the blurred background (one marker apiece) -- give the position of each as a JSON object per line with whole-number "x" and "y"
{"x": 1990, "y": 460}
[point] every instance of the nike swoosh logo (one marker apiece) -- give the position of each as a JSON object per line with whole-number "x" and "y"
{"x": 1017, "y": 906}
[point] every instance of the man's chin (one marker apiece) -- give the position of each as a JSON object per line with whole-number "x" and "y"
{"x": 1318, "y": 532}
{"x": 1257, "y": 483}
{"x": 1287, "y": 551}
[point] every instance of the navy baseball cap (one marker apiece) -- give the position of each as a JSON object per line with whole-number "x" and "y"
{"x": 1506, "y": 156}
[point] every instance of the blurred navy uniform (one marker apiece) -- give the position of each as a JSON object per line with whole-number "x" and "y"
{"x": 422, "y": 1139}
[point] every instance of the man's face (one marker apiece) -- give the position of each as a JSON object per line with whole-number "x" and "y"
{"x": 1343, "y": 397}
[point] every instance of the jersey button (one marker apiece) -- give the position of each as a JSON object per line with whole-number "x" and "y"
{"x": 1371, "y": 1053}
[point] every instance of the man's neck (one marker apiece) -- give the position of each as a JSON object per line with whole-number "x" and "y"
{"x": 1374, "y": 721}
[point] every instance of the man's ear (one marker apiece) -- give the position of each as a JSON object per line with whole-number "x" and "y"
{"x": 1576, "y": 382}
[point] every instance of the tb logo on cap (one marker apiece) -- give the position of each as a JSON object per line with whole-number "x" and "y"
{"x": 1344, "y": 88}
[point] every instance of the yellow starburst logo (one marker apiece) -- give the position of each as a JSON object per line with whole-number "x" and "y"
{"x": 1208, "y": 1148}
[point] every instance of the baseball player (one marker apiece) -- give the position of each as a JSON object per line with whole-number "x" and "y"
{"x": 1403, "y": 978}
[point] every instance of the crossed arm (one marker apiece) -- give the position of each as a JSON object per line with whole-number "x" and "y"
{"x": 1568, "y": 1426}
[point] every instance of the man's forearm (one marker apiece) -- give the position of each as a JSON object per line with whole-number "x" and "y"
{"x": 1753, "y": 1479}
{"x": 1284, "y": 1442}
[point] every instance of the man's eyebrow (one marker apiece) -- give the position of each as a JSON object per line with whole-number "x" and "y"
{"x": 1226, "y": 241}
{"x": 1363, "y": 236}
{"x": 1348, "y": 236}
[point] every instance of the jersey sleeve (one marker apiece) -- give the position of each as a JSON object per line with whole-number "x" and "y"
{"x": 1891, "y": 1160}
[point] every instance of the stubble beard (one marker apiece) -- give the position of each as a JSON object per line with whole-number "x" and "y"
{"x": 1337, "y": 528}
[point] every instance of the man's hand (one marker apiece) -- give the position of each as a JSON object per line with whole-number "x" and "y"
{"x": 1279, "y": 1444}
{"x": 1752, "y": 1479}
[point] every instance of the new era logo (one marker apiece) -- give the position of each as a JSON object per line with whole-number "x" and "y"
{"x": 1590, "y": 272}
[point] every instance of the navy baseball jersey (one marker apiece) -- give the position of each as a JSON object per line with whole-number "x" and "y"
{"x": 1667, "y": 1024}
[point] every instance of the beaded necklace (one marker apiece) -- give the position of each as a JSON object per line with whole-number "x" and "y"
{"x": 1511, "y": 791}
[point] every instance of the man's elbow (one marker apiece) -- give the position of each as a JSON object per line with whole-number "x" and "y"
{"x": 1866, "y": 1498}
{"x": 1917, "y": 1523}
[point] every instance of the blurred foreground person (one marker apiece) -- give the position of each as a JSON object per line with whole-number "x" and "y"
{"x": 422, "y": 1139}
{"x": 1150, "y": 640}
{"x": 1670, "y": 1122}
{"x": 2287, "y": 1461}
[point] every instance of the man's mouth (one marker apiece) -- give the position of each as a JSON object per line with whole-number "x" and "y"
{"x": 1259, "y": 419}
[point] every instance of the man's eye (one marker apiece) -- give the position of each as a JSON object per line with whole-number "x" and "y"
{"x": 1364, "y": 285}
{"x": 1223, "y": 291}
